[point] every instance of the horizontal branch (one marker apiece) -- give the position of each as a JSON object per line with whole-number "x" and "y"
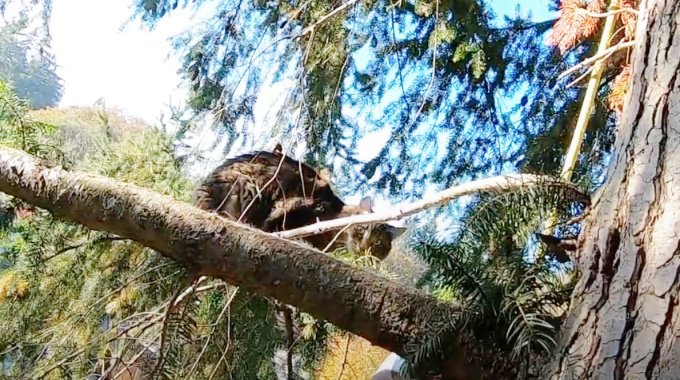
{"x": 383, "y": 312}
{"x": 397, "y": 212}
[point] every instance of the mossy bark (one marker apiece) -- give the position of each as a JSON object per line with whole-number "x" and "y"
{"x": 383, "y": 312}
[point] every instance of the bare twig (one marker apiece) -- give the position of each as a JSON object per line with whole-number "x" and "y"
{"x": 174, "y": 301}
{"x": 597, "y": 57}
{"x": 326, "y": 17}
{"x": 580, "y": 217}
{"x": 259, "y": 191}
{"x": 126, "y": 365}
{"x": 189, "y": 290}
{"x": 508, "y": 181}
{"x": 606, "y": 14}
{"x": 150, "y": 321}
{"x": 344, "y": 357}
{"x": 84, "y": 243}
{"x": 580, "y": 78}
{"x": 211, "y": 334}
{"x": 133, "y": 279}
{"x": 290, "y": 341}
{"x": 223, "y": 357}
{"x": 310, "y": 29}
{"x": 335, "y": 238}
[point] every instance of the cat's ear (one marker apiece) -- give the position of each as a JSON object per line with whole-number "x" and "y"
{"x": 325, "y": 174}
{"x": 366, "y": 204}
{"x": 394, "y": 231}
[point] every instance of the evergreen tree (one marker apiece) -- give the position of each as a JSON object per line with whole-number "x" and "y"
{"x": 435, "y": 77}
{"x": 26, "y": 62}
{"x": 432, "y": 76}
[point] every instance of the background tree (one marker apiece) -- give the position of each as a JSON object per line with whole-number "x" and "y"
{"x": 69, "y": 292}
{"x": 623, "y": 316}
{"x": 26, "y": 62}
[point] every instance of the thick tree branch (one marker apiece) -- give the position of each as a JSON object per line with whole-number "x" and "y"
{"x": 381, "y": 311}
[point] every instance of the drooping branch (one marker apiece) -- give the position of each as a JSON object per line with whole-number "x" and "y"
{"x": 380, "y": 310}
{"x": 503, "y": 182}
{"x": 327, "y": 17}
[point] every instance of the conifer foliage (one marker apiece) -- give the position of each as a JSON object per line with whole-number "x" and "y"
{"x": 75, "y": 302}
{"x": 430, "y": 74}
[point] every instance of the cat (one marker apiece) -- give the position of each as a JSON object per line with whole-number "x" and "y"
{"x": 273, "y": 192}
{"x": 374, "y": 239}
{"x": 246, "y": 188}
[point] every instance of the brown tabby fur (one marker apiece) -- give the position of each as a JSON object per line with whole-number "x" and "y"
{"x": 374, "y": 237}
{"x": 274, "y": 192}
{"x": 247, "y": 187}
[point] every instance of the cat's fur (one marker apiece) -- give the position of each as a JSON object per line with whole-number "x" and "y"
{"x": 375, "y": 238}
{"x": 247, "y": 187}
{"x": 274, "y": 192}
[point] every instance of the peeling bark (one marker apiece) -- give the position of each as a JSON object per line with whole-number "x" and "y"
{"x": 623, "y": 322}
{"x": 383, "y": 312}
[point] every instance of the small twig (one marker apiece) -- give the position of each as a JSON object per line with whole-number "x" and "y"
{"x": 598, "y": 57}
{"x": 325, "y": 18}
{"x": 310, "y": 29}
{"x": 133, "y": 279}
{"x": 335, "y": 238}
{"x": 290, "y": 340}
{"x": 578, "y": 218}
{"x": 508, "y": 181}
{"x": 119, "y": 334}
{"x": 84, "y": 243}
{"x": 259, "y": 191}
{"x": 193, "y": 288}
{"x": 174, "y": 301}
{"x": 344, "y": 357}
{"x": 606, "y": 14}
{"x": 126, "y": 365}
{"x": 580, "y": 77}
{"x": 223, "y": 358}
{"x": 212, "y": 333}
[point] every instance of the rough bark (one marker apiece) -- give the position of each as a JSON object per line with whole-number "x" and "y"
{"x": 383, "y": 312}
{"x": 625, "y": 320}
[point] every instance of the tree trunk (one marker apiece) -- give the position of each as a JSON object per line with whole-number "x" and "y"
{"x": 624, "y": 321}
{"x": 383, "y": 312}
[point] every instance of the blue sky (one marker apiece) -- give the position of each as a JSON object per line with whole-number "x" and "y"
{"x": 135, "y": 69}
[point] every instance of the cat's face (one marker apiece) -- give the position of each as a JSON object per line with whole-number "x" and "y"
{"x": 375, "y": 239}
